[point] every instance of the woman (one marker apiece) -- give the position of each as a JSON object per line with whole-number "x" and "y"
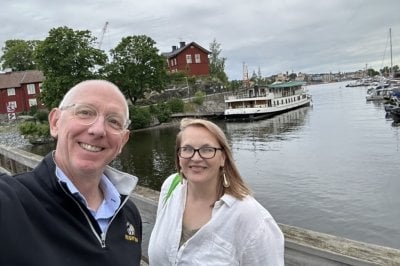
{"x": 206, "y": 215}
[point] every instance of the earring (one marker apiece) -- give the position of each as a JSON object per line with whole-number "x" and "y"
{"x": 225, "y": 182}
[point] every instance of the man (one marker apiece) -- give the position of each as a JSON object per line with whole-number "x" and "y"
{"x": 73, "y": 209}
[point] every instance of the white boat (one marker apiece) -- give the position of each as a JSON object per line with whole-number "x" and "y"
{"x": 261, "y": 102}
{"x": 379, "y": 92}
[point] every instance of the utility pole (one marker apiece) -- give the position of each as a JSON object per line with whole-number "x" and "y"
{"x": 245, "y": 82}
{"x": 187, "y": 84}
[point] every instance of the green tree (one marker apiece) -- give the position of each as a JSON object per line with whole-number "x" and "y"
{"x": 235, "y": 85}
{"x": 67, "y": 57}
{"x": 217, "y": 63}
{"x": 19, "y": 55}
{"x": 371, "y": 72}
{"x": 386, "y": 71}
{"x": 137, "y": 67}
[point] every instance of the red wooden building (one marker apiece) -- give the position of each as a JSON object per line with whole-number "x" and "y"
{"x": 191, "y": 59}
{"x": 19, "y": 91}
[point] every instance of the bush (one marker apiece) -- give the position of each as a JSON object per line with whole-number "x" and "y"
{"x": 199, "y": 97}
{"x": 42, "y": 116}
{"x": 140, "y": 117}
{"x": 176, "y": 105}
{"x": 161, "y": 112}
{"x": 33, "y": 129}
{"x": 43, "y": 130}
{"x": 33, "y": 110}
{"x": 27, "y": 128}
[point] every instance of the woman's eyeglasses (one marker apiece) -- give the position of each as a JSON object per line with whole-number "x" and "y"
{"x": 206, "y": 152}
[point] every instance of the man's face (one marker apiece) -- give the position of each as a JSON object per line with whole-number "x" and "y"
{"x": 86, "y": 149}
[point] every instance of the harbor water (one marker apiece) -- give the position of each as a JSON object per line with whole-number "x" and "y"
{"x": 332, "y": 167}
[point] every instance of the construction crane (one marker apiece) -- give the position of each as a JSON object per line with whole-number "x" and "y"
{"x": 103, "y": 32}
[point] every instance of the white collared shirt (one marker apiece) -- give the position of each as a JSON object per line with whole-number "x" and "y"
{"x": 240, "y": 232}
{"x": 109, "y": 205}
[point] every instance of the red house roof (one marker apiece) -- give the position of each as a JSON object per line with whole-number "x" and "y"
{"x": 175, "y": 50}
{"x": 16, "y": 79}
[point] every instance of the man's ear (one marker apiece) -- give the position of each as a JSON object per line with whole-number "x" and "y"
{"x": 125, "y": 138}
{"x": 54, "y": 119}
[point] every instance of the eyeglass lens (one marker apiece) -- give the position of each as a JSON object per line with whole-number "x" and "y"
{"x": 88, "y": 115}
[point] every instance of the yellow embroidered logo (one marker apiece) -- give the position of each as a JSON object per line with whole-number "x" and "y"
{"x": 130, "y": 233}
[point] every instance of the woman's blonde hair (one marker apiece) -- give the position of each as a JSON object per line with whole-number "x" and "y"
{"x": 237, "y": 187}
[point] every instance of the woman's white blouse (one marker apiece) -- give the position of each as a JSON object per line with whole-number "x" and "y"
{"x": 240, "y": 232}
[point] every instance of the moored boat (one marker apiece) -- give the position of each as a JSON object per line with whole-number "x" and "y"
{"x": 379, "y": 92}
{"x": 395, "y": 113}
{"x": 261, "y": 102}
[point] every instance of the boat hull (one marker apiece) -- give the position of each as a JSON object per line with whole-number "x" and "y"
{"x": 395, "y": 113}
{"x": 252, "y": 114}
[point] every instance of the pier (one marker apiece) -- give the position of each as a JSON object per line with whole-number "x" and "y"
{"x": 302, "y": 246}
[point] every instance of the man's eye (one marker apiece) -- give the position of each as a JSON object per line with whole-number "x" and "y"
{"x": 115, "y": 122}
{"x": 85, "y": 112}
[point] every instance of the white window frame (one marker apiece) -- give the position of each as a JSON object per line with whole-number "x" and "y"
{"x": 10, "y": 91}
{"x": 32, "y": 102}
{"x": 11, "y": 106}
{"x": 197, "y": 58}
{"x": 31, "y": 89}
{"x": 188, "y": 59}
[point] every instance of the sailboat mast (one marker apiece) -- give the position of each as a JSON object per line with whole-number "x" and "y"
{"x": 391, "y": 57}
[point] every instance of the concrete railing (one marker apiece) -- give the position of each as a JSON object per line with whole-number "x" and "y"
{"x": 302, "y": 247}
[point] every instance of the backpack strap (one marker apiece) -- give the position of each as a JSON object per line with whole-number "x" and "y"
{"x": 175, "y": 182}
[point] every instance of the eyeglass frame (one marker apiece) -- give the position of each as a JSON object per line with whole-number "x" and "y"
{"x": 178, "y": 150}
{"x": 74, "y": 105}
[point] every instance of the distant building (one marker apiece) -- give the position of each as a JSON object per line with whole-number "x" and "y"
{"x": 19, "y": 91}
{"x": 191, "y": 59}
{"x": 281, "y": 77}
{"x": 301, "y": 77}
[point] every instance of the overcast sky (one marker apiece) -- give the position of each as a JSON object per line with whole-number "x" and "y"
{"x": 274, "y": 35}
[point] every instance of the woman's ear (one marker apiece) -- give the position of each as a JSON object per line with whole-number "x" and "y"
{"x": 54, "y": 119}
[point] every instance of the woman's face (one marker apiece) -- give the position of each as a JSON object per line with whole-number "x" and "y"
{"x": 197, "y": 169}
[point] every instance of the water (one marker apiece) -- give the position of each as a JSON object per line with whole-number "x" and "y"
{"x": 332, "y": 167}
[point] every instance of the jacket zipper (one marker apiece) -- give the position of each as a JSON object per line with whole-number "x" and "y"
{"x": 102, "y": 238}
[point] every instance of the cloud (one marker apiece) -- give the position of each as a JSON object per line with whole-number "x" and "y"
{"x": 275, "y": 36}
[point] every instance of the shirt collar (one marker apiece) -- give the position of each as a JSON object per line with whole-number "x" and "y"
{"x": 226, "y": 199}
{"x": 112, "y": 198}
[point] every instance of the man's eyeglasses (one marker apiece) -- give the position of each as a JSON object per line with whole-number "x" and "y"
{"x": 86, "y": 114}
{"x": 204, "y": 152}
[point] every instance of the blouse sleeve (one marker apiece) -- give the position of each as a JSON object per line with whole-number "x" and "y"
{"x": 266, "y": 246}
{"x": 164, "y": 188}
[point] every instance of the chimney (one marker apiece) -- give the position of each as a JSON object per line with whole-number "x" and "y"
{"x": 182, "y": 44}
{"x": 174, "y": 48}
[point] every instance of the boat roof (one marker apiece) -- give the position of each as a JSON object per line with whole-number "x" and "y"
{"x": 287, "y": 84}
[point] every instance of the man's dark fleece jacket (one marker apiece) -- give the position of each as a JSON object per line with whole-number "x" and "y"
{"x": 41, "y": 222}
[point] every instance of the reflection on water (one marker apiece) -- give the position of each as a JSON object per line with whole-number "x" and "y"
{"x": 265, "y": 132}
{"x": 149, "y": 154}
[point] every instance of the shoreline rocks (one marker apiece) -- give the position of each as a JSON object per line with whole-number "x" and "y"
{"x": 10, "y": 136}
